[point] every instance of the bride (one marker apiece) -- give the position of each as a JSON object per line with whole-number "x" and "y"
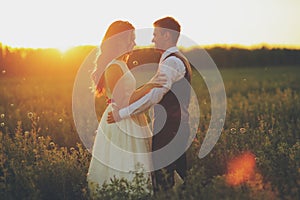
{"x": 117, "y": 146}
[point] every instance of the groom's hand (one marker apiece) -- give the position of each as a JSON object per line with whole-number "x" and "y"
{"x": 113, "y": 117}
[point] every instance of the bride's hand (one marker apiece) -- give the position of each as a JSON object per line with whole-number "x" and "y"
{"x": 113, "y": 116}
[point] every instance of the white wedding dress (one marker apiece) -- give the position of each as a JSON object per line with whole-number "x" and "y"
{"x": 122, "y": 148}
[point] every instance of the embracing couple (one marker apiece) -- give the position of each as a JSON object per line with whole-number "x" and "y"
{"x": 124, "y": 139}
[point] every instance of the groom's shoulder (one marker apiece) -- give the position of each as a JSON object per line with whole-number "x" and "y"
{"x": 180, "y": 57}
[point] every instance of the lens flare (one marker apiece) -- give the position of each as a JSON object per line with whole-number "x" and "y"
{"x": 240, "y": 169}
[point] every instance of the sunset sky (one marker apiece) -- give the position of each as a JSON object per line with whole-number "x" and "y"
{"x": 63, "y": 24}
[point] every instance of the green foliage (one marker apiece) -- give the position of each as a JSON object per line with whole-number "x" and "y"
{"x": 42, "y": 158}
{"x": 34, "y": 167}
{"x": 122, "y": 189}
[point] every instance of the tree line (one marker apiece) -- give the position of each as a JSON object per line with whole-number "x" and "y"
{"x": 51, "y": 62}
{"x": 238, "y": 57}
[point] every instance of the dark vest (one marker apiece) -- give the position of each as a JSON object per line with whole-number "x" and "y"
{"x": 173, "y": 107}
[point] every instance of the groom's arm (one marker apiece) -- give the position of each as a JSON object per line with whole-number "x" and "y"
{"x": 174, "y": 70}
{"x": 144, "y": 103}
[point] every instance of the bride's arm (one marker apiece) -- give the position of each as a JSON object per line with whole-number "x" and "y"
{"x": 112, "y": 75}
{"x": 140, "y": 92}
{"x": 143, "y": 90}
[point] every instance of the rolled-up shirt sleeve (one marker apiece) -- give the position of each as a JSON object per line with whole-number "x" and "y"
{"x": 173, "y": 68}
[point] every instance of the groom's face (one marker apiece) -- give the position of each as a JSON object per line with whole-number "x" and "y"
{"x": 158, "y": 38}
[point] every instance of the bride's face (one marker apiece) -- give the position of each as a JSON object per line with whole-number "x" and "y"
{"x": 131, "y": 41}
{"x": 124, "y": 43}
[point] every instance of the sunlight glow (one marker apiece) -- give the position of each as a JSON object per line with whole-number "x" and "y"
{"x": 63, "y": 49}
{"x": 61, "y": 24}
{"x": 240, "y": 169}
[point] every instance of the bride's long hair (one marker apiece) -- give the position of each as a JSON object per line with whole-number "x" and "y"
{"x": 110, "y": 49}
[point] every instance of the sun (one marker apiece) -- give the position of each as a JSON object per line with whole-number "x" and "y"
{"x": 63, "y": 48}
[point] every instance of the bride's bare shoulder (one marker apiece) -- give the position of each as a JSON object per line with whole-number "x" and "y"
{"x": 113, "y": 69}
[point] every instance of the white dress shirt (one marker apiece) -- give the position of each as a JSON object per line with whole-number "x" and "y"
{"x": 174, "y": 70}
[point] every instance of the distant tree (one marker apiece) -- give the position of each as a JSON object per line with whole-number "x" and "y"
{"x": 52, "y": 63}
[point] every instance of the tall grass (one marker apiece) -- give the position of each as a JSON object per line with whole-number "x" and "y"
{"x": 41, "y": 156}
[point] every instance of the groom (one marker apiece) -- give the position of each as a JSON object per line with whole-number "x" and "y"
{"x": 170, "y": 102}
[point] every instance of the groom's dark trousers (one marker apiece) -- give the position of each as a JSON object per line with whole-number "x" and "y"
{"x": 171, "y": 131}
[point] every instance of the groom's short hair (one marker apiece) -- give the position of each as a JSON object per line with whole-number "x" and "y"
{"x": 169, "y": 23}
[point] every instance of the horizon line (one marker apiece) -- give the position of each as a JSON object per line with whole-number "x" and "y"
{"x": 205, "y": 46}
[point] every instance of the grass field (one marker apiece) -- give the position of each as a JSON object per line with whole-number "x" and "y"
{"x": 41, "y": 156}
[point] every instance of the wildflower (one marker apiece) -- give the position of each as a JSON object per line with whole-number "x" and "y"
{"x": 2, "y": 115}
{"x": 270, "y": 131}
{"x": 243, "y": 130}
{"x": 2, "y": 124}
{"x": 233, "y": 130}
{"x": 196, "y": 140}
{"x": 52, "y": 144}
{"x": 26, "y": 133}
{"x": 30, "y": 115}
{"x": 135, "y": 62}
